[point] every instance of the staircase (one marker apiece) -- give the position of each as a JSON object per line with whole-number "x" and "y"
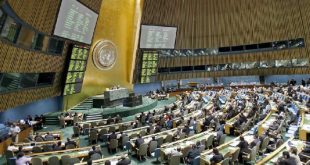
{"x": 85, "y": 105}
{"x": 51, "y": 120}
{"x": 93, "y": 116}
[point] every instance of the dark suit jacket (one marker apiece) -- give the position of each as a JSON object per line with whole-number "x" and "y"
{"x": 112, "y": 136}
{"x": 216, "y": 159}
{"x": 124, "y": 162}
{"x": 193, "y": 153}
{"x": 139, "y": 141}
{"x": 243, "y": 145}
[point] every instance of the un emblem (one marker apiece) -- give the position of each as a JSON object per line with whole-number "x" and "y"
{"x": 104, "y": 55}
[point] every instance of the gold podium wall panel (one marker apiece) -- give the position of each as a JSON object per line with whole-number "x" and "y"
{"x": 118, "y": 22}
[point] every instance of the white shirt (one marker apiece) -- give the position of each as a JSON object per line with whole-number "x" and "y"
{"x": 16, "y": 129}
{"x": 23, "y": 160}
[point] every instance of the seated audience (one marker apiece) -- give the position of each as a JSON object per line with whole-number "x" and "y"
{"x": 217, "y": 157}
{"x": 123, "y": 161}
{"x": 21, "y": 159}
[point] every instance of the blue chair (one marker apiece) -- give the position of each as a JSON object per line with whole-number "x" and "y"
{"x": 157, "y": 155}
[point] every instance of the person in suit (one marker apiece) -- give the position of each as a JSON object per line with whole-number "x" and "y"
{"x": 110, "y": 120}
{"x": 123, "y": 161}
{"x": 286, "y": 159}
{"x": 37, "y": 137}
{"x": 94, "y": 151}
{"x": 217, "y": 157}
{"x": 70, "y": 142}
{"x": 112, "y": 136}
{"x": 192, "y": 154}
{"x": 255, "y": 141}
{"x": 244, "y": 147}
{"x": 216, "y": 140}
{"x": 21, "y": 159}
{"x": 294, "y": 155}
{"x": 118, "y": 118}
{"x": 139, "y": 141}
{"x": 186, "y": 130}
{"x": 48, "y": 136}
{"x": 57, "y": 147}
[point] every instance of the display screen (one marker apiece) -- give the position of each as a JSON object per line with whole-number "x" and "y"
{"x": 149, "y": 66}
{"x": 76, "y": 69}
{"x": 72, "y": 88}
{"x": 79, "y": 53}
{"x": 74, "y": 77}
{"x": 157, "y": 37}
{"x": 75, "y": 22}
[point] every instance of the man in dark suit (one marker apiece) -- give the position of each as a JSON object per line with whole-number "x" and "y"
{"x": 123, "y": 161}
{"x": 112, "y": 136}
{"x": 244, "y": 147}
{"x": 216, "y": 140}
{"x": 94, "y": 151}
{"x": 110, "y": 120}
{"x": 57, "y": 147}
{"x": 217, "y": 157}
{"x": 139, "y": 141}
{"x": 70, "y": 142}
{"x": 255, "y": 141}
{"x": 286, "y": 159}
{"x": 192, "y": 154}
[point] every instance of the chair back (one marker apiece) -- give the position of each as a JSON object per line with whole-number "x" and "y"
{"x": 93, "y": 124}
{"x": 47, "y": 148}
{"x": 70, "y": 146}
{"x": 264, "y": 144}
{"x": 174, "y": 160}
{"x": 39, "y": 139}
{"x": 133, "y": 136}
{"x": 49, "y": 138}
{"x": 93, "y": 135}
{"x": 101, "y": 123}
{"x": 95, "y": 156}
{"x": 209, "y": 141}
{"x": 182, "y": 135}
{"x": 152, "y": 131}
{"x": 53, "y": 160}
{"x": 36, "y": 161}
{"x": 153, "y": 146}
{"x": 142, "y": 150}
{"x": 163, "y": 129}
{"x": 9, "y": 154}
{"x": 279, "y": 143}
{"x": 36, "y": 149}
{"x": 65, "y": 160}
{"x": 113, "y": 144}
{"x": 142, "y": 132}
{"x": 253, "y": 154}
{"x": 74, "y": 161}
{"x": 168, "y": 138}
{"x": 222, "y": 139}
{"x": 235, "y": 155}
{"x": 185, "y": 151}
{"x": 160, "y": 141}
{"x": 111, "y": 129}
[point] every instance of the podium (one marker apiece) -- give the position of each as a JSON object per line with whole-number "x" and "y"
{"x": 133, "y": 100}
{"x": 110, "y": 98}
